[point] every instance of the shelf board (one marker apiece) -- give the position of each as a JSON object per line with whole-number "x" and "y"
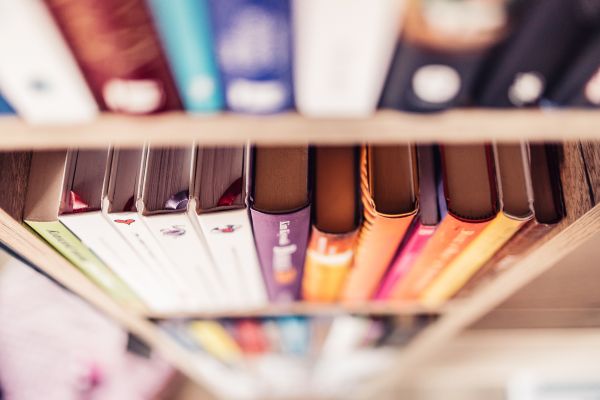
{"x": 385, "y": 126}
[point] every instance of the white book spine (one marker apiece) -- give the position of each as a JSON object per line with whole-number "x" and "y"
{"x": 141, "y": 240}
{"x": 343, "y": 49}
{"x": 38, "y": 74}
{"x": 176, "y": 234}
{"x": 231, "y": 243}
{"x": 98, "y": 235}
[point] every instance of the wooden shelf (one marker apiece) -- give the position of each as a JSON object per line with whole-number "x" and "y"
{"x": 384, "y": 126}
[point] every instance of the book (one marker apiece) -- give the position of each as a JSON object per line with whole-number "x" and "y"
{"x": 38, "y": 75}
{"x": 128, "y": 72}
{"x": 440, "y": 52}
{"x": 47, "y": 178}
{"x": 548, "y": 210}
{"x": 579, "y": 85}
{"x": 218, "y": 202}
{"x": 253, "y": 41}
{"x": 250, "y": 336}
{"x": 280, "y": 210}
{"x": 389, "y": 197}
{"x": 471, "y": 198}
{"x": 5, "y": 108}
{"x": 342, "y": 51}
{"x": 336, "y": 219}
{"x": 162, "y": 201}
{"x": 87, "y": 175}
{"x": 215, "y": 340}
{"x": 424, "y": 225}
{"x": 184, "y": 27}
{"x": 294, "y": 333}
{"x": 118, "y": 206}
{"x": 522, "y": 72}
{"x": 516, "y": 196}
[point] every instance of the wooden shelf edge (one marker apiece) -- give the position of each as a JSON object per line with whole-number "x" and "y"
{"x": 466, "y": 311}
{"x": 385, "y": 126}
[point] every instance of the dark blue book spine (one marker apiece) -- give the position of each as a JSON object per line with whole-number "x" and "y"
{"x": 254, "y": 51}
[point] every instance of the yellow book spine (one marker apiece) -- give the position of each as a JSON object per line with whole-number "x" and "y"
{"x": 216, "y": 340}
{"x": 466, "y": 264}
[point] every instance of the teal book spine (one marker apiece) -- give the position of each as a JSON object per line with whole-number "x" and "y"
{"x": 184, "y": 28}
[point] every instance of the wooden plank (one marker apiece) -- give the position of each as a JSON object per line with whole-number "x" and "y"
{"x": 464, "y": 312}
{"x": 383, "y": 127}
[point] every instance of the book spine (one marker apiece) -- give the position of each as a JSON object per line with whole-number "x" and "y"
{"x": 5, "y": 108}
{"x": 453, "y": 277}
{"x": 215, "y": 339}
{"x": 451, "y": 238}
{"x": 128, "y": 72}
{"x": 188, "y": 252}
{"x": 38, "y": 74}
{"x": 230, "y": 241}
{"x": 184, "y": 27}
{"x": 339, "y": 68}
{"x": 254, "y": 52}
{"x": 328, "y": 261}
{"x": 137, "y": 235}
{"x": 67, "y": 244}
{"x": 281, "y": 241}
{"x": 405, "y": 259}
{"x": 97, "y": 234}
{"x": 295, "y": 335}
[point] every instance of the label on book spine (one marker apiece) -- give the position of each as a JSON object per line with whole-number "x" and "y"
{"x": 466, "y": 264}
{"x": 67, "y": 244}
{"x": 281, "y": 241}
{"x": 328, "y": 260}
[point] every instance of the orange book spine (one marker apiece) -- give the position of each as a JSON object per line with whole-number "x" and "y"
{"x": 328, "y": 260}
{"x": 450, "y": 239}
{"x": 378, "y": 240}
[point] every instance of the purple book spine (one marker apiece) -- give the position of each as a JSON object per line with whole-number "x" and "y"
{"x": 281, "y": 241}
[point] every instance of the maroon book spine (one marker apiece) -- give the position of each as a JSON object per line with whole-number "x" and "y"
{"x": 119, "y": 53}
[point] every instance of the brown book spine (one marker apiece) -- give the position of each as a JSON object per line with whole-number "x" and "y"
{"x": 591, "y": 158}
{"x": 576, "y": 191}
{"x": 118, "y": 51}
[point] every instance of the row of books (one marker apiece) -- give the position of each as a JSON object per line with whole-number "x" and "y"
{"x": 214, "y": 229}
{"x": 289, "y": 355}
{"x": 63, "y": 61}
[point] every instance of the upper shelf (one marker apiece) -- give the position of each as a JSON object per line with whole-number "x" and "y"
{"x": 384, "y": 126}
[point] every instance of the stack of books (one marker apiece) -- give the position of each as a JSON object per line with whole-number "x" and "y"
{"x": 64, "y": 61}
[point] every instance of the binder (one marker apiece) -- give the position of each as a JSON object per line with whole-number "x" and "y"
{"x": 253, "y": 41}
{"x": 342, "y": 52}
{"x": 516, "y": 192}
{"x": 280, "y": 211}
{"x": 335, "y": 225}
{"x": 218, "y": 203}
{"x": 162, "y": 200}
{"x": 118, "y": 205}
{"x": 118, "y": 51}
{"x": 184, "y": 27}
{"x": 38, "y": 74}
{"x": 522, "y": 71}
{"x": 48, "y": 176}
{"x": 548, "y": 210}
{"x": 389, "y": 197}
{"x": 471, "y": 198}
{"x": 80, "y": 212}
{"x": 441, "y": 50}
{"x": 424, "y": 226}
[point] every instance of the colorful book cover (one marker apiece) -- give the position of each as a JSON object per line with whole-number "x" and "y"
{"x": 67, "y": 244}
{"x": 128, "y": 73}
{"x": 281, "y": 241}
{"x": 440, "y": 53}
{"x": 184, "y": 27}
{"x": 342, "y": 52}
{"x": 469, "y": 184}
{"x": 430, "y": 206}
{"x": 38, "y": 74}
{"x": 381, "y": 233}
{"x": 253, "y": 40}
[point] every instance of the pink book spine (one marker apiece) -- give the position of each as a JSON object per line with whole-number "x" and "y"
{"x": 405, "y": 259}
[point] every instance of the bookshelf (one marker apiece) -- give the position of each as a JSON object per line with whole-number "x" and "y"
{"x": 385, "y": 126}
